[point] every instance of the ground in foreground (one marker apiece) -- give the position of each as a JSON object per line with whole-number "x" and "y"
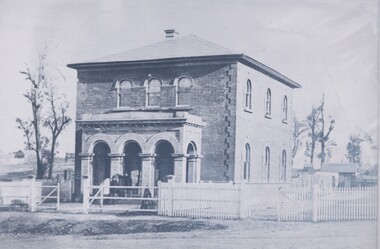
{"x": 53, "y": 230}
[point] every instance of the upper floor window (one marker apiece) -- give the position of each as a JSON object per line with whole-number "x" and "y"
{"x": 268, "y": 104}
{"x": 154, "y": 92}
{"x": 121, "y": 87}
{"x": 247, "y": 160}
{"x": 285, "y": 109}
{"x": 266, "y": 169}
{"x": 248, "y": 95}
{"x": 283, "y": 166}
{"x": 183, "y": 85}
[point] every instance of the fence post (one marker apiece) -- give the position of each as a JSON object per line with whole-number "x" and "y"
{"x": 315, "y": 202}
{"x": 86, "y": 195}
{"x": 32, "y": 201}
{"x": 102, "y": 196}
{"x": 159, "y": 198}
{"x": 279, "y": 203}
{"x": 58, "y": 195}
{"x": 171, "y": 195}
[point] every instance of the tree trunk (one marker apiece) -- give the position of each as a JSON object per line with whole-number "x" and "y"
{"x": 51, "y": 166}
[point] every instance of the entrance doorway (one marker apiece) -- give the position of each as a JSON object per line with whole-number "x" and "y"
{"x": 101, "y": 166}
{"x": 164, "y": 163}
{"x": 132, "y": 164}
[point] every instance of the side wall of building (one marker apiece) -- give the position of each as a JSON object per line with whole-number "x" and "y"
{"x": 260, "y": 131}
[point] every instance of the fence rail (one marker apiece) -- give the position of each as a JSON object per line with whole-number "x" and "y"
{"x": 327, "y": 204}
{"x": 32, "y": 195}
{"x": 120, "y": 198}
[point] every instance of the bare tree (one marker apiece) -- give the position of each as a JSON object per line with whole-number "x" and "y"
{"x": 56, "y": 121}
{"x": 313, "y": 124}
{"x": 323, "y": 136}
{"x": 299, "y": 133}
{"x": 35, "y": 97}
{"x": 28, "y": 131}
{"x": 55, "y": 118}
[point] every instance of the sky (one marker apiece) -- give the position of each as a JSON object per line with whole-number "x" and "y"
{"x": 328, "y": 46}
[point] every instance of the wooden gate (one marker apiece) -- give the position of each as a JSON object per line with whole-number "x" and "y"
{"x": 120, "y": 198}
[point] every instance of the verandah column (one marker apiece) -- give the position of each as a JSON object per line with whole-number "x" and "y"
{"x": 116, "y": 164}
{"x": 86, "y": 169}
{"x": 179, "y": 167}
{"x": 147, "y": 169}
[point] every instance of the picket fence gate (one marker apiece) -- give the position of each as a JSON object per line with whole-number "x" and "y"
{"x": 327, "y": 204}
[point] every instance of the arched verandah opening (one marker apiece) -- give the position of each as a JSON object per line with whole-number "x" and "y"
{"x": 101, "y": 166}
{"x": 132, "y": 164}
{"x": 191, "y": 163}
{"x": 164, "y": 162}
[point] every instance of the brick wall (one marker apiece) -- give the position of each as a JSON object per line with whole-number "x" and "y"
{"x": 212, "y": 97}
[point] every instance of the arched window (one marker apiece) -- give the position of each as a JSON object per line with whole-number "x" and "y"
{"x": 283, "y": 166}
{"x": 268, "y": 104}
{"x": 248, "y": 95}
{"x": 154, "y": 92}
{"x": 266, "y": 171}
{"x": 247, "y": 163}
{"x": 121, "y": 88}
{"x": 285, "y": 109}
{"x": 183, "y": 86}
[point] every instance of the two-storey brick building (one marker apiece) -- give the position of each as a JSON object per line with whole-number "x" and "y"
{"x": 184, "y": 107}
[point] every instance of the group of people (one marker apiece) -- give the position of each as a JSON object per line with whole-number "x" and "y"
{"x": 126, "y": 180}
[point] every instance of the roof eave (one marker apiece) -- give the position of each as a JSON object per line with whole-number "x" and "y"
{"x": 269, "y": 71}
{"x": 108, "y": 64}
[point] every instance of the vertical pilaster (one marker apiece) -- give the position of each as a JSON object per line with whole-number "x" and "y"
{"x": 147, "y": 168}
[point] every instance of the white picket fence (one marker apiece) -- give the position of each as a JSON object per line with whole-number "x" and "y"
{"x": 327, "y": 204}
{"x": 200, "y": 200}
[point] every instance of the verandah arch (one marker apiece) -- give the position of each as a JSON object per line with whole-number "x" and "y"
{"x": 191, "y": 162}
{"x": 101, "y": 164}
{"x": 164, "y": 161}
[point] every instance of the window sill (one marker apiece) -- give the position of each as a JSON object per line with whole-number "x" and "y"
{"x": 248, "y": 110}
{"x": 151, "y": 108}
{"x": 268, "y": 116}
{"x": 284, "y": 121}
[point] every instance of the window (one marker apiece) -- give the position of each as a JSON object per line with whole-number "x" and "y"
{"x": 266, "y": 169}
{"x": 248, "y": 95}
{"x": 121, "y": 88}
{"x": 283, "y": 166}
{"x": 154, "y": 92}
{"x": 268, "y": 104}
{"x": 183, "y": 85}
{"x": 285, "y": 109}
{"x": 247, "y": 160}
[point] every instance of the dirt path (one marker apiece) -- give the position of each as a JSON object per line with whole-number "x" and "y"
{"x": 231, "y": 234}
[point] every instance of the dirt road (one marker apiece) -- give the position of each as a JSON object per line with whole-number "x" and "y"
{"x": 223, "y": 234}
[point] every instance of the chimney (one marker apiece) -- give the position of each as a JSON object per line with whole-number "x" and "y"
{"x": 170, "y": 33}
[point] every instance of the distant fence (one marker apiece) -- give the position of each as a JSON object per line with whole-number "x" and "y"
{"x": 327, "y": 204}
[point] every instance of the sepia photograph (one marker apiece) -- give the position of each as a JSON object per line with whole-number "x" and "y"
{"x": 189, "y": 124}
